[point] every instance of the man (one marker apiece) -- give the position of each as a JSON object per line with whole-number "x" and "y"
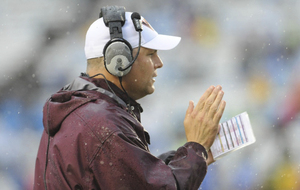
{"x": 93, "y": 138}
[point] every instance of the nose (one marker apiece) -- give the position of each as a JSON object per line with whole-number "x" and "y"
{"x": 158, "y": 62}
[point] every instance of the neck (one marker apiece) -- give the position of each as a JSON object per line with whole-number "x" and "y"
{"x": 108, "y": 76}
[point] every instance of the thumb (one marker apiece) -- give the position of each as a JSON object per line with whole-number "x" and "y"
{"x": 190, "y": 108}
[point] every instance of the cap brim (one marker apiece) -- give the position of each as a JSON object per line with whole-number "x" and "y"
{"x": 162, "y": 42}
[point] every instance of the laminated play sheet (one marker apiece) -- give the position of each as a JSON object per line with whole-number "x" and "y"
{"x": 234, "y": 134}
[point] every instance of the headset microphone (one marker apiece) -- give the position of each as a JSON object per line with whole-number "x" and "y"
{"x": 136, "y": 19}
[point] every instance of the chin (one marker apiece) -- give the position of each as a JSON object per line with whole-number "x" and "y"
{"x": 146, "y": 92}
{"x": 152, "y": 90}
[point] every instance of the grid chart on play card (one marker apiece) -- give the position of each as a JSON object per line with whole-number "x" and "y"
{"x": 234, "y": 134}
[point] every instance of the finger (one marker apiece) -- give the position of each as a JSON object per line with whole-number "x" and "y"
{"x": 190, "y": 108}
{"x": 203, "y": 98}
{"x": 214, "y": 107}
{"x": 210, "y": 100}
{"x": 220, "y": 112}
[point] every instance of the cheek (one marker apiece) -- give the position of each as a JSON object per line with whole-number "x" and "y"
{"x": 144, "y": 65}
{"x": 142, "y": 71}
{"x": 148, "y": 67}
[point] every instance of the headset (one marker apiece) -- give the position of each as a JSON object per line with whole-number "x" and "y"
{"x": 118, "y": 58}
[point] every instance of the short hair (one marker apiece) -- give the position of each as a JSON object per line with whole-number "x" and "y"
{"x": 95, "y": 64}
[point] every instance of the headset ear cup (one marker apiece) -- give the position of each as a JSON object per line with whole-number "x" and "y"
{"x": 117, "y": 54}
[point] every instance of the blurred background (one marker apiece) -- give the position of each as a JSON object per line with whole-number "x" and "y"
{"x": 251, "y": 48}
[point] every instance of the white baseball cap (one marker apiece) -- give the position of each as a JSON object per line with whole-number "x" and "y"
{"x": 98, "y": 35}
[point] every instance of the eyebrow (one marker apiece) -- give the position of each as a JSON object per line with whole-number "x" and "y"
{"x": 153, "y": 51}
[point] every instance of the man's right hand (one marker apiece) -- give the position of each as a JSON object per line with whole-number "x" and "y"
{"x": 201, "y": 123}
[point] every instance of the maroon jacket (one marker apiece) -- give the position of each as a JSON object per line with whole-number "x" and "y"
{"x": 96, "y": 143}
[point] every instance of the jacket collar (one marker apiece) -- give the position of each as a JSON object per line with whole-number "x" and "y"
{"x": 109, "y": 86}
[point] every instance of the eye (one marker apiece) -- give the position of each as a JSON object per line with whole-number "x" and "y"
{"x": 152, "y": 53}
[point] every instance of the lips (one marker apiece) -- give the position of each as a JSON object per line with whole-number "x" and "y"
{"x": 153, "y": 78}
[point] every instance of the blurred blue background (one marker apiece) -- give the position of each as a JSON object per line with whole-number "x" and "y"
{"x": 251, "y": 48}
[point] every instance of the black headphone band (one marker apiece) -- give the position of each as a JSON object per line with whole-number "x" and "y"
{"x": 114, "y": 19}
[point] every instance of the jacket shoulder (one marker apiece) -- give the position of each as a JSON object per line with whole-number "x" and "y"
{"x": 104, "y": 118}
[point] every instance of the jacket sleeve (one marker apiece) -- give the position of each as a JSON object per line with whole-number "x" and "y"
{"x": 189, "y": 165}
{"x": 167, "y": 156}
{"x": 121, "y": 164}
